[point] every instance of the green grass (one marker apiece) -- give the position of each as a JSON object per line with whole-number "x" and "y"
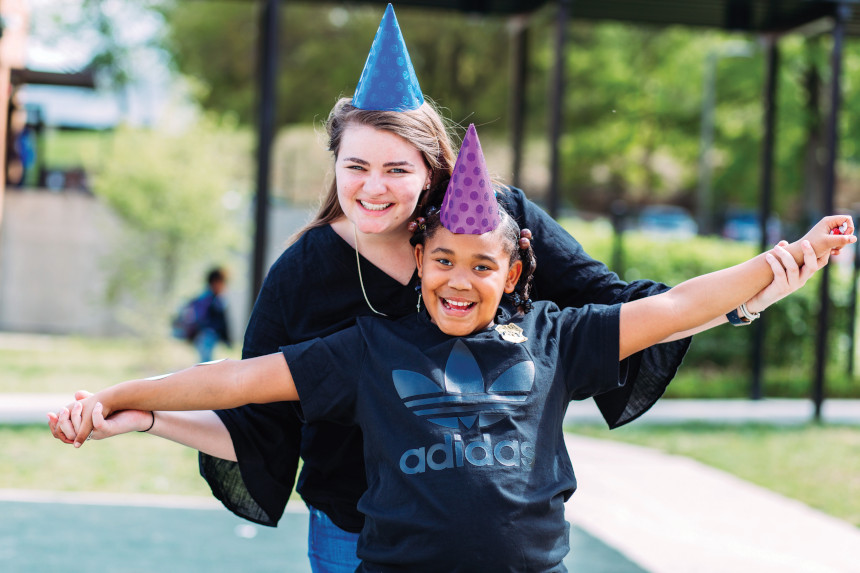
{"x": 58, "y": 364}
{"x": 69, "y": 149}
{"x": 32, "y": 459}
{"x": 818, "y": 465}
{"x": 779, "y": 382}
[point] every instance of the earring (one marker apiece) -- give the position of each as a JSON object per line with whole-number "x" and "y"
{"x": 418, "y": 290}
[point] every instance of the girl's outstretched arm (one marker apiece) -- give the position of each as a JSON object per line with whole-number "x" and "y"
{"x": 788, "y": 277}
{"x": 646, "y": 322}
{"x": 225, "y": 384}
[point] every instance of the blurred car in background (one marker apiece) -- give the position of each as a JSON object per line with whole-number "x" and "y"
{"x": 667, "y": 221}
{"x": 743, "y": 225}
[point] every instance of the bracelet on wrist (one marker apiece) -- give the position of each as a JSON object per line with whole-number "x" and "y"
{"x": 751, "y": 316}
{"x": 742, "y": 318}
{"x": 150, "y": 425}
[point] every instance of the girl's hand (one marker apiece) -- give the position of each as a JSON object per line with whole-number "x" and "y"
{"x": 64, "y": 426}
{"x": 787, "y": 275}
{"x": 61, "y": 424}
{"x": 82, "y": 418}
{"x": 824, "y": 241}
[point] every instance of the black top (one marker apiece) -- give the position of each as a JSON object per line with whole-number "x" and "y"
{"x": 313, "y": 290}
{"x": 463, "y": 440}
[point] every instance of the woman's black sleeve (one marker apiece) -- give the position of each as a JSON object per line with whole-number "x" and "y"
{"x": 266, "y": 437}
{"x": 568, "y": 276}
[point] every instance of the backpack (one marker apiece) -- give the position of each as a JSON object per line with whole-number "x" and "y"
{"x": 188, "y": 321}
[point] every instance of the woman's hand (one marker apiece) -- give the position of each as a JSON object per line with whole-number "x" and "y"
{"x": 66, "y": 423}
{"x": 827, "y": 238}
{"x": 787, "y": 275}
{"x": 831, "y": 234}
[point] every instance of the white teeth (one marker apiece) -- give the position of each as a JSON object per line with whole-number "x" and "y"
{"x": 374, "y": 206}
{"x": 456, "y": 304}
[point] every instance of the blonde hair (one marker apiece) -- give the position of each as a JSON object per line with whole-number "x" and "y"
{"x": 422, "y": 127}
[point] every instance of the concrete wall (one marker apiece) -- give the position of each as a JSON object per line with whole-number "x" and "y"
{"x": 52, "y": 246}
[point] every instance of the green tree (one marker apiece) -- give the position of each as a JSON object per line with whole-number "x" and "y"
{"x": 461, "y": 62}
{"x": 633, "y": 101}
{"x": 178, "y": 197}
{"x": 117, "y": 39}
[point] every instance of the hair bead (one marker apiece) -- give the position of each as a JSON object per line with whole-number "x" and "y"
{"x": 419, "y": 224}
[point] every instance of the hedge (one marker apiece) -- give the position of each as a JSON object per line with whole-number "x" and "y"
{"x": 719, "y": 361}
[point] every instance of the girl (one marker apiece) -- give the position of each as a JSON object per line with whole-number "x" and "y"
{"x": 461, "y": 404}
{"x": 354, "y": 260}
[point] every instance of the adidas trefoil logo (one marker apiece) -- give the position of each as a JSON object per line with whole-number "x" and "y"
{"x": 465, "y": 399}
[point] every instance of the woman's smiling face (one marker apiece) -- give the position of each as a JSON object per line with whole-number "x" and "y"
{"x": 380, "y": 177}
{"x": 463, "y": 278}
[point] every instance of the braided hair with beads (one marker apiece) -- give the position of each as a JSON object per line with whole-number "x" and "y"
{"x": 517, "y": 244}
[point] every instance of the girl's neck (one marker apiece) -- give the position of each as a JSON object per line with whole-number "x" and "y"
{"x": 390, "y": 252}
{"x": 489, "y": 326}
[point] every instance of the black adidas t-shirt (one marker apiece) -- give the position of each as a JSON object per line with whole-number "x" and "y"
{"x": 466, "y": 463}
{"x": 313, "y": 290}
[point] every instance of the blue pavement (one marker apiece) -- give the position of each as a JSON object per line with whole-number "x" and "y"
{"x": 44, "y": 532}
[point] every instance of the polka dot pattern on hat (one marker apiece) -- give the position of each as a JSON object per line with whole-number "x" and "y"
{"x": 388, "y": 81}
{"x": 469, "y": 207}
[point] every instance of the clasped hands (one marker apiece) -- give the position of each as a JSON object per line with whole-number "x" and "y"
{"x": 817, "y": 247}
{"x": 66, "y": 423}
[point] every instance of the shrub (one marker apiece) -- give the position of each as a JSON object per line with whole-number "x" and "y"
{"x": 719, "y": 361}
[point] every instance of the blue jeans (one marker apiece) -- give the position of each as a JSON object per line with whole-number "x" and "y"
{"x": 330, "y": 548}
{"x": 205, "y": 342}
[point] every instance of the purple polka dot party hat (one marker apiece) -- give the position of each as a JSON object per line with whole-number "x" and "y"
{"x": 388, "y": 81}
{"x": 469, "y": 206}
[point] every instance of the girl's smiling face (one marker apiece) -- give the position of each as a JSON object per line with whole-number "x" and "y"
{"x": 380, "y": 177}
{"x": 463, "y": 278}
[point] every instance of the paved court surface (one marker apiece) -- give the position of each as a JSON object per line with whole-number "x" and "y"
{"x": 142, "y": 534}
{"x": 636, "y": 511}
{"x": 674, "y": 515}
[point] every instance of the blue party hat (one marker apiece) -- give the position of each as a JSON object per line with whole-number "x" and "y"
{"x": 469, "y": 206}
{"x": 388, "y": 81}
